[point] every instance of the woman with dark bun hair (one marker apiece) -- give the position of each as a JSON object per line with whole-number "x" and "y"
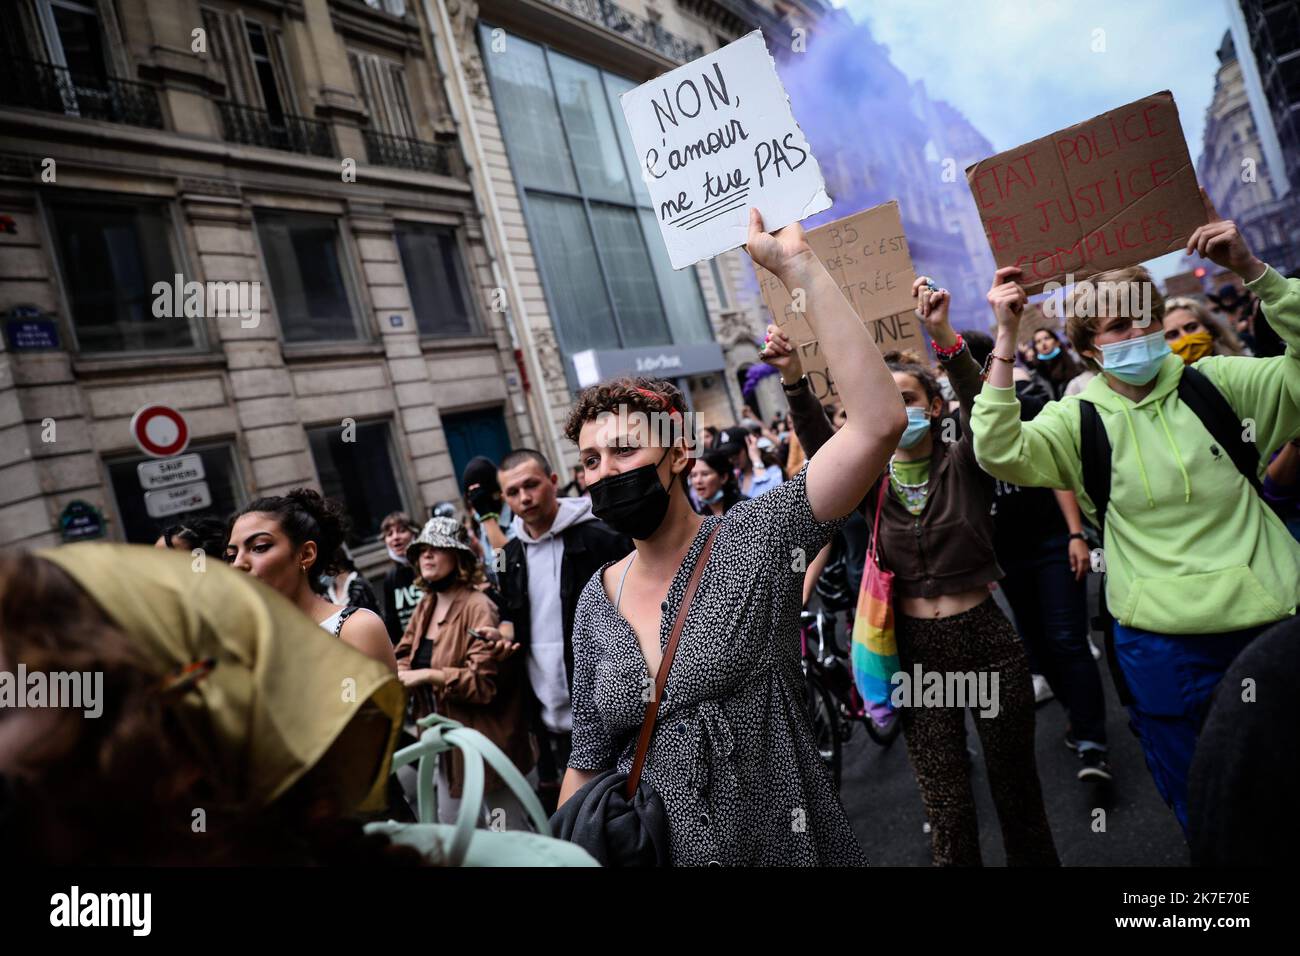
{"x": 287, "y": 543}
{"x": 205, "y": 533}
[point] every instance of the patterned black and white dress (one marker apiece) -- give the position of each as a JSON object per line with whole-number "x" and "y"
{"x": 733, "y": 755}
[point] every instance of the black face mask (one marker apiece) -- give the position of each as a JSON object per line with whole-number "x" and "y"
{"x": 633, "y": 503}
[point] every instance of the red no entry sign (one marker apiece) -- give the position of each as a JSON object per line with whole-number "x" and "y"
{"x": 160, "y": 431}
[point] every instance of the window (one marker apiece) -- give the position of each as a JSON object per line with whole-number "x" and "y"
{"x": 308, "y": 277}
{"x": 608, "y": 279}
{"x": 110, "y": 254}
{"x": 73, "y": 33}
{"x": 264, "y": 70}
{"x": 436, "y": 278}
{"x": 253, "y": 62}
{"x": 223, "y": 482}
{"x": 382, "y": 84}
{"x": 362, "y": 474}
{"x": 396, "y": 7}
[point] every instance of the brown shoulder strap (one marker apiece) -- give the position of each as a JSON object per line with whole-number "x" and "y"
{"x": 661, "y": 679}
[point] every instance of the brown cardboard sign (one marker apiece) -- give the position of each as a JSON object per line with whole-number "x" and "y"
{"x": 867, "y": 255}
{"x": 1114, "y": 191}
{"x": 1184, "y": 283}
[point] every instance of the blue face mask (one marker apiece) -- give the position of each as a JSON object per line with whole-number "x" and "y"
{"x": 713, "y": 499}
{"x": 1135, "y": 361}
{"x": 1048, "y": 356}
{"x": 918, "y": 426}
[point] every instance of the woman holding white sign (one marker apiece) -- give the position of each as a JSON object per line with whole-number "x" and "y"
{"x": 732, "y": 760}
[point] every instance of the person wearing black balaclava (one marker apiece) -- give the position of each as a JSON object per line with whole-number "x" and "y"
{"x": 483, "y": 496}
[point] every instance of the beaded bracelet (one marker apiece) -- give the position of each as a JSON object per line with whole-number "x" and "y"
{"x": 945, "y": 354}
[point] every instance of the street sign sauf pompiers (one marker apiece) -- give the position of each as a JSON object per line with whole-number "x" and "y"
{"x": 162, "y": 433}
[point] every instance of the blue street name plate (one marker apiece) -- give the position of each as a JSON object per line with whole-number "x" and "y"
{"x": 30, "y": 334}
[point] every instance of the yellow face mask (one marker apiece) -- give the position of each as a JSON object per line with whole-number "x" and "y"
{"x": 1192, "y": 347}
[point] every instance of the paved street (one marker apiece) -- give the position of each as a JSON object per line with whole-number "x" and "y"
{"x": 881, "y": 797}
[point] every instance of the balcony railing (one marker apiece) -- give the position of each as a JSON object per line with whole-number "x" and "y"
{"x": 254, "y": 127}
{"x": 636, "y": 28}
{"x": 55, "y": 89}
{"x": 386, "y": 150}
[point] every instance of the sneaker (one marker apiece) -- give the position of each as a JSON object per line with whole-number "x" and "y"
{"x": 1094, "y": 649}
{"x": 1094, "y": 769}
{"x": 1070, "y": 741}
{"x": 1041, "y": 691}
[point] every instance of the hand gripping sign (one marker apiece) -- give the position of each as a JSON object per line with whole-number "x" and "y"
{"x": 715, "y": 137}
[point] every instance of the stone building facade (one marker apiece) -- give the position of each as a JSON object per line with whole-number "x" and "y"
{"x": 351, "y": 166}
{"x": 1236, "y": 174}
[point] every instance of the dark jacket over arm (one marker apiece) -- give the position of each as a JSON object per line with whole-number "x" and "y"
{"x": 587, "y": 548}
{"x": 811, "y": 425}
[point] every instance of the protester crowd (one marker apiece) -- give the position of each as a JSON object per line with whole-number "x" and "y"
{"x": 544, "y": 613}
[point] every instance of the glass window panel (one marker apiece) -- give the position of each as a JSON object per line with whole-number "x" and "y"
{"x": 579, "y": 306}
{"x": 111, "y": 254}
{"x": 525, "y": 105}
{"x": 687, "y": 317}
{"x": 631, "y": 276}
{"x": 301, "y": 252}
{"x": 79, "y": 37}
{"x": 265, "y": 72}
{"x": 223, "y": 484}
{"x": 595, "y": 146}
{"x": 436, "y": 279}
{"x": 616, "y": 86}
{"x": 358, "y": 473}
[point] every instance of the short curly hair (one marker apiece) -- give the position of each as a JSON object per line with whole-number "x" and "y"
{"x": 635, "y": 394}
{"x": 647, "y": 395}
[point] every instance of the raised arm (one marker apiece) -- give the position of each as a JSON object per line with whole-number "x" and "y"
{"x": 812, "y": 427}
{"x": 1041, "y": 453}
{"x": 842, "y": 470}
{"x": 963, "y": 371}
{"x": 1264, "y": 391}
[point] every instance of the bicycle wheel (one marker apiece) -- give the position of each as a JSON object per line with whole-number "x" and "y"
{"x": 824, "y": 719}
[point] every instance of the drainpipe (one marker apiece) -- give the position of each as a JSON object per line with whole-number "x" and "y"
{"x": 494, "y": 233}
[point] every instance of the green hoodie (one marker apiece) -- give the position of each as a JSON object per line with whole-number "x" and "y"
{"x": 1190, "y": 547}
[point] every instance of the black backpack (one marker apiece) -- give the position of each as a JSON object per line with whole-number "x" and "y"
{"x": 1198, "y": 393}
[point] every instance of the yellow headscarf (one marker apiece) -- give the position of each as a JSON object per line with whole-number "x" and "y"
{"x": 284, "y": 697}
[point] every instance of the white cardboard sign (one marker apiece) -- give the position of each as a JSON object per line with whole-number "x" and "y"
{"x": 715, "y": 137}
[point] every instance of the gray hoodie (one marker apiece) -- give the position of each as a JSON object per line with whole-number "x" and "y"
{"x": 545, "y": 555}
